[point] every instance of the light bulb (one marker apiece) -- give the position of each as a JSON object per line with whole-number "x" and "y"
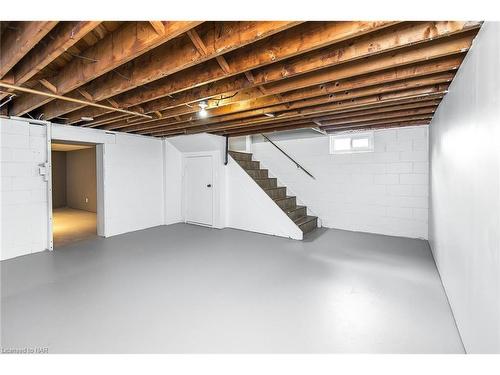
{"x": 203, "y": 112}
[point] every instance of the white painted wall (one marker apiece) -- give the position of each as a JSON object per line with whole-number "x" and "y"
{"x": 242, "y": 144}
{"x": 133, "y": 177}
{"x": 23, "y": 191}
{"x": 465, "y": 193}
{"x": 249, "y": 208}
{"x": 385, "y": 191}
{"x": 173, "y": 183}
{"x": 201, "y": 145}
{"x": 133, "y": 183}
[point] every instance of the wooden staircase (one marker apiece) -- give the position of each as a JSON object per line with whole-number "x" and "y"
{"x": 277, "y": 193}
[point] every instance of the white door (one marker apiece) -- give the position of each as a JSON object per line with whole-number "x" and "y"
{"x": 198, "y": 190}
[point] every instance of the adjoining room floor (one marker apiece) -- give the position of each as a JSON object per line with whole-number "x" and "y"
{"x": 72, "y": 225}
{"x": 184, "y": 289}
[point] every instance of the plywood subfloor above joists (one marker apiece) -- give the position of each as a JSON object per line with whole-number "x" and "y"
{"x": 253, "y": 76}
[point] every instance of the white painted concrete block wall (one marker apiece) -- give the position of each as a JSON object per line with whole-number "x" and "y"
{"x": 385, "y": 191}
{"x": 464, "y": 230}
{"x": 133, "y": 181}
{"x": 23, "y": 190}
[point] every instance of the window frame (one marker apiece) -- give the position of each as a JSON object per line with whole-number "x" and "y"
{"x": 352, "y": 136}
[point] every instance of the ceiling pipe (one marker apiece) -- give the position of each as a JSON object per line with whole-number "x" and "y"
{"x": 78, "y": 101}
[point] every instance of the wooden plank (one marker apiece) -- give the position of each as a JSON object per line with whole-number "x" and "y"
{"x": 15, "y": 44}
{"x": 413, "y": 54}
{"x": 316, "y": 95}
{"x": 310, "y": 125}
{"x": 197, "y": 42}
{"x": 389, "y": 115}
{"x": 60, "y": 38}
{"x": 158, "y": 26}
{"x": 369, "y": 104}
{"x": 176, "y": 56}
{"x": 86, "y": 95}
{"x": 313, "y": 110}
{"x": 379, "y": 122}
{"x": 223, "y": 64}
{"x": 273, "y": 105}
{"x": 383, "y": 70}
{"x": 383, "y": 62}
{"x": 48, "y": 85}
{"x": 347, "y": 118}
{"x": 117, "y": 48}
{"x": 305, "y": 38}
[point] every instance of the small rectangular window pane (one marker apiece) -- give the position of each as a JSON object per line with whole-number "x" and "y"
{"x": 351, "y": 143}
{"x": 342, "y": 144}
{"x": 360, "y": 143}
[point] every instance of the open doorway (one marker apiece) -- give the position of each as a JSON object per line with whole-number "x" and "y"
{"x": 74, "y": 192}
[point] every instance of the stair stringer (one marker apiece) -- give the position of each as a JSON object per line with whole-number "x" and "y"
{"x": 249, "y": 208}
{"x": 290, "y": 191}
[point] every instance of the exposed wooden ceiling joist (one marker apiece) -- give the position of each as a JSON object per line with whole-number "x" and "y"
{"x": 293, "y": 42}
{"x": 313, "y": 111}
{"x": 255, "y": 76}
{"x": 20, "y": 39}
{"x": 117, "y": 48}
{"x": 173, "y": 57}
{"x": 354, "y": 51}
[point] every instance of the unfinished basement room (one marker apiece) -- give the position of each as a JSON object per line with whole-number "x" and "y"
{"x": 243, "y": 186}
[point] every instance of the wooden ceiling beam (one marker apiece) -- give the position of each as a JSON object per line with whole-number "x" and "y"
{"x": 48, "y": 85}
{"x": 313, "y": 111}
{"x": 388, "y": 116}
{"x": 305, "y": 38}
{"x": 419, "y": 55}
{"x": 390, "y": 39}
{"x": 379, "y": 109}
{"x": 415, "y": 102}
{"x": 122, "y": 45}
{"x": 158, "y": 26}
{"x": 272, "y": 105}
{"x": 348, "y": 125}
{"x": 60, "y": 38}
{"x": 411, "y": 53}
{"x": 176, "y": 56}
{"x": 321, "y": 84}
{"x": 306, "y": 125}
{"x": 354, "y": 113}
{"x": 15, "y": 44}
{"x": 197, "y": 42}
{"x": 427, "y": 111}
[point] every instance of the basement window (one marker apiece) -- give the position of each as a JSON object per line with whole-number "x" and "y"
{"x": 348, "y": 143}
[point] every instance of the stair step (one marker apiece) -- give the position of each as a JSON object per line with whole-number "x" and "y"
{"x": 297, "y": 212}
{"x": 307, "y": 224}
{"x": 248, "y": 164}
{"x": 286, "y": 203}
{"x": 257, "y": 173}
{"x": 240, "y": 155}
{"x": 277, "y": 192}
{"x": 267, "y": 183}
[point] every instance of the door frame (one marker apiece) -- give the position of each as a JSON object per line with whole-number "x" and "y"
{"x": 100, "y": 191}
{"x": 191, "y": 155}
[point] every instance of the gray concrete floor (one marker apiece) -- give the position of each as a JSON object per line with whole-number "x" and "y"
{"x": 183, "y": 288}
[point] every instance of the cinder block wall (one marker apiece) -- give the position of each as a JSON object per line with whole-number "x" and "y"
{"x": 24, "y": 191}
{"x": 385, "y": 191}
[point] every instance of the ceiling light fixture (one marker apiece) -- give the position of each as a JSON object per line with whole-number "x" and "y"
{"x": 203, "y": 105}
{"x": 87, "y": 118}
